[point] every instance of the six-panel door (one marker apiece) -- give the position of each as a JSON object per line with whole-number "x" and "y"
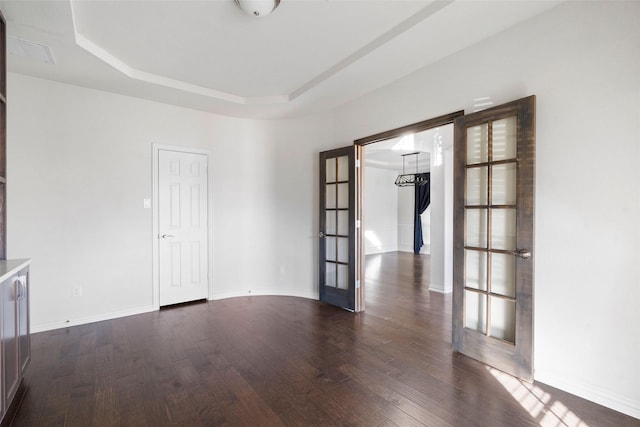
{"x": 183, "y": 229}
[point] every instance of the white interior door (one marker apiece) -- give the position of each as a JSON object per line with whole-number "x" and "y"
{"x": 182, "y": 226}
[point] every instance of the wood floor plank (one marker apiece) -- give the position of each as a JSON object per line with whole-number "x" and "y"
{"x": 286, "y": 361}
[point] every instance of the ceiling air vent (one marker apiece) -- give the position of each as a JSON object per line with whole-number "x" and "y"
{"x": 27, "y": 49}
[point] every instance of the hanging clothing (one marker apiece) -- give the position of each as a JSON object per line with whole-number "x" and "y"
{"x": 422, "y": 201}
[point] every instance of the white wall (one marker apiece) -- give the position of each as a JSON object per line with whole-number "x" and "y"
{"x": 380, "y": 210}
{"x": 405, "y": 208}
{"x": 79, "y": 167}
{"x": 441, "y": 253}
{"x": 388, "y": 215}
{"x": 582, "y": 60}
{"x": 266, "y": 211}
{"x": 448, "y": 221}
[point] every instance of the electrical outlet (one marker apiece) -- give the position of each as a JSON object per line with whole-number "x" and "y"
{"x": 76, "y": 291}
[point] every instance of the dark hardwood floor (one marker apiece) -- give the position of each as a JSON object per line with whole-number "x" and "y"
{"x": 271, "y": 361}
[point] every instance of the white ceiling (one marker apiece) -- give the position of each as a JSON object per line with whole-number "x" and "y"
{"x": 307, "y": 56}
{"x": 388, "y": 154}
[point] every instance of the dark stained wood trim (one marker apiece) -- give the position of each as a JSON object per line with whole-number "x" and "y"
{"x": 525, "y": 236}
{"x": 3, "y": 137}
{"x": 3, "y": 57}
{"x": 459, "y": 191}
{"x": 359, "y": 254}
{"x": 413, "y": 128}
{"x": 322, "y": 225}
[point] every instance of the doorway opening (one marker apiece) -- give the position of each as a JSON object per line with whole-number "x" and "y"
{"x": 493, "y": 213}
{"x": 394, "y": 264}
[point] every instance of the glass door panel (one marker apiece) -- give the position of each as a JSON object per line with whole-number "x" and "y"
{"x": 503, "y": 229}
{"x": 476, "y": 268}
{"x": 331, "y": 248}
{"x": 477, "y": 186}
{"x": 343, "y": 277}
{"x": 475, "y": 311}
{"x": 503, "y": 319}
{"x": 331, "y": 224}
{"x": 343, "y": 168}
{"x": 504, "y": 142}
{"x": 503, "y": 184}
{"x": 330, "y": 274}
{"x": 330, "y": 191}
{"x": 343, "y": 250}
{"x": 343, "y": 223}
{"x": 503, "y": 274}
{"x": 343, "y": 196}
{"x": 476, "y": 226}
{"x": 477, "y": 144}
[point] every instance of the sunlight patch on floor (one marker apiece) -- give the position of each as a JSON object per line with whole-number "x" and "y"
{"x": 372, "y": 266}
{"x": 373, "y": 239}
{"x": 538, "y": 403}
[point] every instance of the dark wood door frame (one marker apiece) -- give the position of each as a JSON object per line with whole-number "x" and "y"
{"x": 446, "y": 119}
{"x": 443, "y": 120}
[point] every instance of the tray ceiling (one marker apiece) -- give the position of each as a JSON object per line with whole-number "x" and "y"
{"x": 307, "y": 56}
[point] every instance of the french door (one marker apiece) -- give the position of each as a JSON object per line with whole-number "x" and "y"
{"x": 493, "y": 236}
{"x": 339, "y": 236}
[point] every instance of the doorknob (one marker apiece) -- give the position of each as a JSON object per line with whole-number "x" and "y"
{"x": 164, "y": 236}
{"x": 321, "y": 234}
{"x": 522, "y": 253}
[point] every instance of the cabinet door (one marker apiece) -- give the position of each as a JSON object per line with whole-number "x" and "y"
{"x": 10, "y": 371}
{"x": 24, "y": 339}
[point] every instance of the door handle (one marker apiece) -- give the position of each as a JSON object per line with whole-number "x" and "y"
{"x": 522, "y": 253}
{"x": 17, "y": 289}
{"x": 321, "y": 234}
{"x": 164, "y": 236}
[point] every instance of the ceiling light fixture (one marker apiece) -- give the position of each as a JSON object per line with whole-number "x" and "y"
{"x": 411, "y": 179}
{"x": 258, "y": 8}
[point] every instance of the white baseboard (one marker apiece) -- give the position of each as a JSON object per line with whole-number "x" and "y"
{"x": 593, "y": 393}
{"x": 58, "y": 324}
{"x": 377, "y": 252}
{"x": 272, "y": 292}
{"x": 437, "y": 287}
{"x": 48, "y": 326}
{"x": 373, "y": 250}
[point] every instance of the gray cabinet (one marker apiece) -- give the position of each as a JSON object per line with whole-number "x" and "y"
{"x": 10, "y": 370}
{"x": 24, "y": 329}
{"x": 14, "y": 331}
